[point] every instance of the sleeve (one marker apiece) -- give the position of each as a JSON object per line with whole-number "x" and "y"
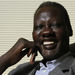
{"x": 72, "y": 69}
{"x": 72, "y": 49}
{"x": 20, "y": 70}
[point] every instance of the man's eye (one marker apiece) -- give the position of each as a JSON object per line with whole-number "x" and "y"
{"x": 39, "y": 27}
{"x": 56, "y": 25}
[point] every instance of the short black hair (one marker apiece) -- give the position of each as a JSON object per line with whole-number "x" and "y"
{"x": 63, "y": 10}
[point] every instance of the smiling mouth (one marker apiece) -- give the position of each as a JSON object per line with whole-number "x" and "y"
{"x": 49, "y": 45}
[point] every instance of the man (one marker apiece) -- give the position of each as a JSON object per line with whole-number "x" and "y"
{"x": 51, "y": 33}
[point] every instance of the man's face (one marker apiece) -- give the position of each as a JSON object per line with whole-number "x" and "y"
{"x": 49, "y": 33}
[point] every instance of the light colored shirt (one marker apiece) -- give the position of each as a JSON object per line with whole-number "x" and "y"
{"x": 50, "y": 65}
{"x": 44, "y": 70}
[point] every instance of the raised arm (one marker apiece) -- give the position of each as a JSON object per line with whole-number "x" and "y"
{"x": 19, "y": 50}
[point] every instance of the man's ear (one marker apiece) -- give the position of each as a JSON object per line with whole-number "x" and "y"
{"x": 69, "y": 31}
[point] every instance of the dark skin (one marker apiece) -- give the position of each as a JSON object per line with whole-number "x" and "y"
{"x": 16, "y": 53}
{"x": 50, "y": 30}
{"x": 49, "y": 35}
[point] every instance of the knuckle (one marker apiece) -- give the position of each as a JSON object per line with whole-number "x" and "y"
{"x": 22, "y": 40}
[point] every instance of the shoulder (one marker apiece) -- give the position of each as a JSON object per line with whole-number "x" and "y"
{"x": 73, "y": 65}
{"x": 72, "y": 48}
{"x": 23, "y": 68}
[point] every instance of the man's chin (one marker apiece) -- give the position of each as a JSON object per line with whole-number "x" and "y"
{"x": 50, "y": 54}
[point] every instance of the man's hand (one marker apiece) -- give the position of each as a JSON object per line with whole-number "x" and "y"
{"x": 18, "y": 51}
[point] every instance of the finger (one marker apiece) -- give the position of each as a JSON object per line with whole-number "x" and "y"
{"x": 34, "y": 50}
{"x": 24, "y": 52}
{"x": 29, "y": 53}
{"x": 32, "y": 58}
{"x": 34, "y": 54}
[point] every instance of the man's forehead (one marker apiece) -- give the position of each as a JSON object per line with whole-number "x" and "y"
{"x": 48, "y": 11}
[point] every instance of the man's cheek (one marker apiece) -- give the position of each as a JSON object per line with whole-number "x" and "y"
{"x": 59, "y": 35}
{"x": 35, "y": 36}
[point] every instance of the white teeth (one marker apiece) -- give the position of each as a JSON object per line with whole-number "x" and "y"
{"x": 50, "y": 42}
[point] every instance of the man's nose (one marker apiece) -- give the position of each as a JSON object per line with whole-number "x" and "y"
{"x": 47, "y": 32}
